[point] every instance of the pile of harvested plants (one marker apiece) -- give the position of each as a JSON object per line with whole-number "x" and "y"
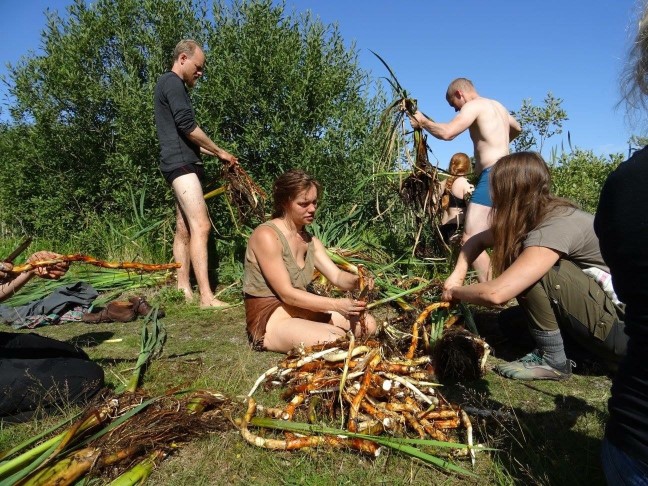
{"x": 121, "y": 434}
{"x": 117, "y": 436}
{"x": 378, "y": 395}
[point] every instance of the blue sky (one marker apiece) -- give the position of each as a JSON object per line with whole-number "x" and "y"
{"x": 512, "y": 50}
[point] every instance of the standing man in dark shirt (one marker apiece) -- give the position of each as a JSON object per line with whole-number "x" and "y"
{"x": 622, "y": 227}
{"x": 181, "y": 143}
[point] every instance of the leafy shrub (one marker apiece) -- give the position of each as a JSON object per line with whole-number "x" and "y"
{"x": 580, "y": 175}
{"x": 279, "y": 91}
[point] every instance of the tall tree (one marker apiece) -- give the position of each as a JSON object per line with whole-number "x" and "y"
{"x": 280, "y": 91}
{"x": 539, "y": 123}
{"x": 82, "y": 130}
{"x": 286, "y": 92}
{"x": 580, "y": 175}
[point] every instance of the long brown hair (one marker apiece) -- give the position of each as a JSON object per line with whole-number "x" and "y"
{"x": 288, "y": 186}
{"x": 521, "y": 193}
{"x": 459, "y": 166}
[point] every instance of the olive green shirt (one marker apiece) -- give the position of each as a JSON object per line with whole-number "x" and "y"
{"x": 255, "y": 284}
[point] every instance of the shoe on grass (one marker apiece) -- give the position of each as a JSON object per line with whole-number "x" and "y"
{"x": 534, "y": 367}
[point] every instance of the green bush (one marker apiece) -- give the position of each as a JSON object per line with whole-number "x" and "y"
{"x": 580, "y": 175}
{"x": 280, "y": 92}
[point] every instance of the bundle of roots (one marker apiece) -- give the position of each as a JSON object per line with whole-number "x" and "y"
{"x": 459, "y": 355}
{"x": 135, "y": 266}
{"x": 372, "y": 392}
{"x": 245, "y": 194}
{"x": 421, "y": 190}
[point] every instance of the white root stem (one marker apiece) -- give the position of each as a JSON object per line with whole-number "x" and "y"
{"x": 465, "y": 420}
{"x": 333, "y": 358}
{"x": 301, "y": 362}
{"x": 411, "y": 362}
{"x": 308, "y": 359}
{"x": 261, "y": 379}
{"x": 345, "y": 371}
{"x": 407, "y": 384}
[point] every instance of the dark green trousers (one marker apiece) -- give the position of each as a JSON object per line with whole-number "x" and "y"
{"x": 569, "y": 300}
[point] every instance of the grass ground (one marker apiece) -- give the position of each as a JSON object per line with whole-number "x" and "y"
{"x": 546, "y": 432}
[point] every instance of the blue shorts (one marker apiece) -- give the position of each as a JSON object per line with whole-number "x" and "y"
{"x": 481, "y": 194}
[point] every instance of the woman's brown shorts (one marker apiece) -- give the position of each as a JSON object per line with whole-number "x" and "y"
{"x": 258, "y": 311}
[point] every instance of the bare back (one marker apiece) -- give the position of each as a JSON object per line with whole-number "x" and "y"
{"x": 490, "y": 132}
{"x": 459, "y": 189}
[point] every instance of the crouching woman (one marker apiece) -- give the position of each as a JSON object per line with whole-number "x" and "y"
{"x": 545, "y": 253}
{"x": 280, "y": 261}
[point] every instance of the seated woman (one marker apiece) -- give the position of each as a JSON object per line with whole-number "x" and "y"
{"x": 280, "y": 262}
{"x": 453, "y": 202}
{"x": 38, "y": 372}
{"x": 544, "y": 250}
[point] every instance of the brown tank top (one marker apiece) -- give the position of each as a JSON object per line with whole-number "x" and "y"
{"x": 256, "y": 285}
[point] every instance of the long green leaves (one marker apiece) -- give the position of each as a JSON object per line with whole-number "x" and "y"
{"x": 110, "y": 282}
{"x": 394, "y": 80}
{"x": 139, "y": 473}
{"x": 152, "y": 342}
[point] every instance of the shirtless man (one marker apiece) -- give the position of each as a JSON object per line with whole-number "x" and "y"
{"x": 491, "y": 129}
{"x": 181, "y": 143}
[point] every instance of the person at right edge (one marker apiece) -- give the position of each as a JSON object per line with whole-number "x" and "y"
{"x": 181, "y": 143}
{"x": 621, "y": 224}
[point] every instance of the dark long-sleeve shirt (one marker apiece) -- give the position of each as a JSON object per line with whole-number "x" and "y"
{"x": 622, "y": 227}
{"x": 174, "y": 119}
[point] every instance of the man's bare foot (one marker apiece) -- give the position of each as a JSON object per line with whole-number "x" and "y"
{"x": 213, "y": 303}
{"x": 187, "y": 293}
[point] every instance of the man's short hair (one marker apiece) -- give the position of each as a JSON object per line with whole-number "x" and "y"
{"x": 185, "y": 46}
{"x": 463, "y": 84}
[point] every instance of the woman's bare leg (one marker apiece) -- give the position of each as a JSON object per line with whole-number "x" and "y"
{"x": 342, "y": 322}
{"x": 289, "y": 327}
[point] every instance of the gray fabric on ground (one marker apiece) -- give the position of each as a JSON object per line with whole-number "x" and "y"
{"x": 58, "y": 302}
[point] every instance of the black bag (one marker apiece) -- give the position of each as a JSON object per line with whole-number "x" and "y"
{"x": 37, "y": 372}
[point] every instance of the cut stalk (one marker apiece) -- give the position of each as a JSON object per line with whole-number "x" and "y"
{"x": 139, "y": 473}
{"x": 397, "y": 296}
{"x": 43, "y": 453}
{"x": 26, "y": 443}
{"x": 215, "y": 192}
{"x": 151, "y": 346}
{"x": 420, "y": 320}
{"x": 67, "y": 470}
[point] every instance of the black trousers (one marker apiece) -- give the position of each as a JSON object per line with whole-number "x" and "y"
{"x": 39, "y": 373}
